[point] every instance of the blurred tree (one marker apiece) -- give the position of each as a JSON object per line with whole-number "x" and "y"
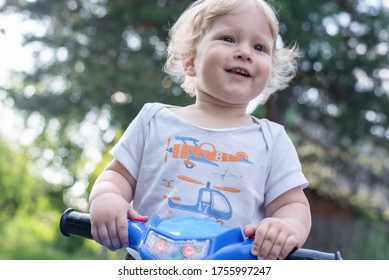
{"x": 23, "y": 190}
{"x": 96, "y": 65}
{"x": 339, "y": 103}
{"x": 100, "y": 61}
{"x": 15, "y": 182}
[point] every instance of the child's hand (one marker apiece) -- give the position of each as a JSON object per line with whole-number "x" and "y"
{"x": 109, "y": 215}
{"x": 273, "y": 238}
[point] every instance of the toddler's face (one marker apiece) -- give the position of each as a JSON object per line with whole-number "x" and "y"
{"x": 233, "y": 60}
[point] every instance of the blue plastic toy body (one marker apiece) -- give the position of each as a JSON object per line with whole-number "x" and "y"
{"x": 187, "y": 238}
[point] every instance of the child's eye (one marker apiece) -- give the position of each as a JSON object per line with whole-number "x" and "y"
{"x": 228, "y": 39}
{"x": 259, "y": 48}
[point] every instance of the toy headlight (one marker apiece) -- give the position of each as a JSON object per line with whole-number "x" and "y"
{"x": 161, "y": 247}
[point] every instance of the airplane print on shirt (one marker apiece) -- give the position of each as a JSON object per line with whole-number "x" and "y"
{"x": 192, "y": 152}
{"x": 211, "y": 200}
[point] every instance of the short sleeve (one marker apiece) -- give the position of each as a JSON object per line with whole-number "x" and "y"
{"x": 129, "y": 149}
{"x": 285, "y": 170}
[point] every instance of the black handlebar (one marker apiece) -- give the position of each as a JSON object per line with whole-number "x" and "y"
{"x": 308, "y": 254}
{"x": 78, "y": 224}
{"x": 75, "y": 223}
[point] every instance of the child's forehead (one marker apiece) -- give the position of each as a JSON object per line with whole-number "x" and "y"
{"x": 241, "y": 6}
{"x": 249, "y": 9}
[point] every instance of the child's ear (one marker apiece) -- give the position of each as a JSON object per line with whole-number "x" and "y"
{"x": 189, "y": 67}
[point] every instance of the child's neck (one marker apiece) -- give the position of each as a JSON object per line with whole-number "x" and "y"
{"x": 215, "y": 115}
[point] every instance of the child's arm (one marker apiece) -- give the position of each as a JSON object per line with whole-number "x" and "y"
{"x": 110, "y": 207}
{"x": 286, "y": 226}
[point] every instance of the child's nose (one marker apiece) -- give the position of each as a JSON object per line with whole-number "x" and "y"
{"x": 244, "y": 52}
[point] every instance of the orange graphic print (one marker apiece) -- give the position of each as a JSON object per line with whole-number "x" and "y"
{"x": 192, "y": 153}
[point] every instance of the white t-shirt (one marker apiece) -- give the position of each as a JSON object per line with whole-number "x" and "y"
{"x": 229, "y": 175}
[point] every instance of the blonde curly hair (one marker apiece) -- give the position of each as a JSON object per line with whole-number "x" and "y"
{"x": 197, "y": 19}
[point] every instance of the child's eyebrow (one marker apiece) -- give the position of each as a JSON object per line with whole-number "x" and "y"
{"x": 257, "y": 37}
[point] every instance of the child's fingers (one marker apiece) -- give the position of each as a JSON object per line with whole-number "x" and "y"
{"x": 266, "y": 238}
{"x": 249, "y": 230}
{"x": 122, "y": 232}
{"x": 134, "y": 215}
{"x": 290, "y": 244}
{"x": 102, "y": 236}
{"x": 273, "y": 239}
{"x": 261, "y": 246}
{"x": 114, "y": 242}
{"x": 96, "y": 234}
{"x": 277, "y": 247}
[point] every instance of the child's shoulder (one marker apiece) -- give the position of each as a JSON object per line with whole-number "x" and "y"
{"x": 270, "y": 126}
{"x": 151, "y": 108}
{"x": 271, "y": 130}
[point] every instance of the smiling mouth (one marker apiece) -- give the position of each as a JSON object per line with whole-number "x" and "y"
{"x": 238, "y": 71}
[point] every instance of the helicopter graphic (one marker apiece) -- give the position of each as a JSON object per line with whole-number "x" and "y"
{"x": 210, "y": 200}
{"x": 192, "y": 152}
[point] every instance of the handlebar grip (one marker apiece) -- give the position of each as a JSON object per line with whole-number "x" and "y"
{"x": 74, "y": 223}
{"x": 308, "y": 254}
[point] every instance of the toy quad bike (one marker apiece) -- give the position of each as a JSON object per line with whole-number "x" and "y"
{"x": 186, "y": 238}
